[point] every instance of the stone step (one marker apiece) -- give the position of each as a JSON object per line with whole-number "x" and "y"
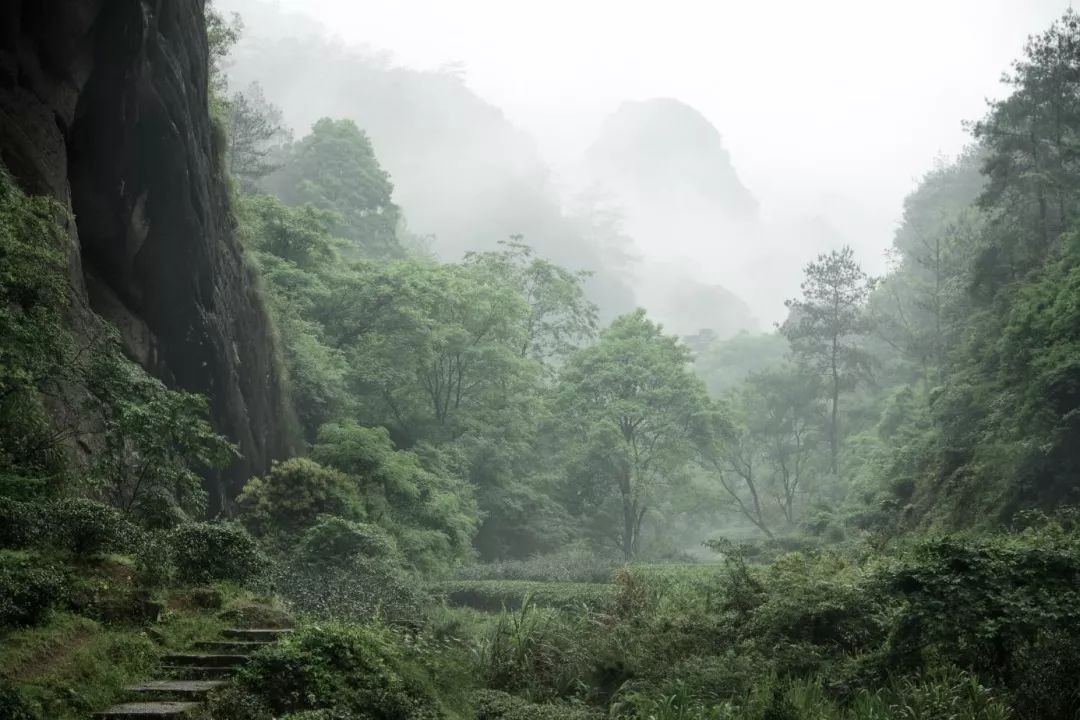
{"x": 232, "y": 647}
{"x": 256, "y": 634}
{"x": 198, "y": 672}
{"x": 206, "y": 659}
{"x": 175, "y": 689}
{"x": 147, "y": 711}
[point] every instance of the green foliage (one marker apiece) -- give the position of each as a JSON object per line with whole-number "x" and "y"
{"x": 12, "y": 706}
{"x": 498, "y": 705}
{"x": 981, "y": 601}
{"x": 533, "y": 650}
{"x": 334, "y": 541}
{"x": 155, "y": 441}
{"x": 209, "y": 552}
{"x": 571, "y": 565}
{"x": 432, "y": 514}
{"x": 294, "y": 495}
{"x": 29, "y": 589}
{"x": 73, "y": 667}
{"x": 35, "y": 347}
{"x": 19, "y": 523}
{"x": 632, "y": 402}
{"x": 498, "y": 594}
{"x": 359, "y": 588}
{"x": 85, "y": 527}
{"x": 335, "y": 168}
{"x": 358, "y": 669}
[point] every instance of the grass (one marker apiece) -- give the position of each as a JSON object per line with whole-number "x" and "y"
{"x": 494, "y": 595}
{"x": 73, "y": 666}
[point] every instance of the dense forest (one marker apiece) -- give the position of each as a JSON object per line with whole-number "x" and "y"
{"x": 241, "y": 394}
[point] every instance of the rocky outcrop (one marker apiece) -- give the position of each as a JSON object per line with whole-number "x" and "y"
{"x": 104, "y": 105}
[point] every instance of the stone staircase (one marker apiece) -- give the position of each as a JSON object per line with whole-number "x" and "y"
{"x": 192, "y": 676}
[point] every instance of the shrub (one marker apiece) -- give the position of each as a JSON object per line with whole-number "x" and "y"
{"x": 85, "y": 527}
{"x": 294, "y": 495}
{"x": 499, "y": 594}
{"x": 12, "y": 706}
{"x": 19, "y": 523}
{"x": 27, "y": 591}
{"x": 347, "y": 668}
{"x": 323, "y": 715}
{"x": 154, "y": 559}
{"x": 574, "y": 565}
{"x": 233, "y": 703}
{"x": 335, "y": 541}
{"x": 208, "y": 552}
{"x": 256, "y": 615}
{"x": 363, "y": 588}
{"x": 496, "y": 705}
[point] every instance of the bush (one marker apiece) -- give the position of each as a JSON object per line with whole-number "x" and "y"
{"x": 19, "y": 523}
{"x": 233, "y": 703}
{"x": 27, "y": 591}
{"x": 256, "y": 615}
{"x": 294, "y": 495}
{"x": 85, "y": 527}
{"x": 363, "y": 588}
{"x": 154, "y": 559}
{"x": 495, "y": 705}
{"x": 12, "y": 706}
{"x": 575, "y": 565}
{"x": 498, "y": 594}
{"x": 209, "y": 552}
{"x": 347, "y": 668}
{"x": 335, "y": 541}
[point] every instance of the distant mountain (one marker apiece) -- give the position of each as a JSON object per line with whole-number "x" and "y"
{"x": 665, "y": 151}
{"x": 664, "y": 165}
{"x": 463, "y": 173}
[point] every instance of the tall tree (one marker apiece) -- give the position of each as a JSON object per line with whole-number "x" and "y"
{"x": 335, "y": 168}
{"x": 1032, "y": 141}
{"x": 634, "y": 400}
{"x": 559, "y": 317}
{"x": 255, "y": 128}
{"x": 824, "y": 327}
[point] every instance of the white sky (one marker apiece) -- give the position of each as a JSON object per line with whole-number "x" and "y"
{"x": 835, "y": 106}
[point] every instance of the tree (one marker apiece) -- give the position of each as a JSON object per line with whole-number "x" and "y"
{"x": 559, "y": 316}
{"x": 825, "y": 325}
{"x": 255, "y": 128}
{"x": 334, "y": 168}
{"x": 634, "y": 401}
{"x": 1033, "y": 155}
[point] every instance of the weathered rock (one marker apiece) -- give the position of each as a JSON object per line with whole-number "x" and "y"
{"x": 104, "y": 105}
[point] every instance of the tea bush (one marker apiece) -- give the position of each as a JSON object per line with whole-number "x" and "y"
{"x": 29, "y": 589}
{"x": 335, "y": 541}
{"x": 85, "y": 527}
{"x": 346, "y": 668}
{"x": 208, "y": 552}
{"x": 499, "y": 594}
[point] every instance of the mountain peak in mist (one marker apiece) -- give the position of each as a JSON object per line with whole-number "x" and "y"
{"x": 664, "y": 147}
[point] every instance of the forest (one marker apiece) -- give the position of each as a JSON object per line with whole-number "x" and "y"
{"x": 486, "y": 483}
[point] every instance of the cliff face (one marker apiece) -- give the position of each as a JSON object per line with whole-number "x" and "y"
{"x": 103, "y": 105}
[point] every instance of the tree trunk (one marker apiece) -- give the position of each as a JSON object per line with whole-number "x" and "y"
{"x": 834, "y": 430}
{"x": 629, "y": 518}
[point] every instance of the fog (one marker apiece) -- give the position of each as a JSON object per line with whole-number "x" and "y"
{"x": 825, "y": 116}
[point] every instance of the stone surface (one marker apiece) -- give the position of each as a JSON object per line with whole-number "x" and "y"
{"x": 163, "y": 689}
{"x": 256, "y": 634}
{"x": 104, "y": 105}
{"x": 198, "y": 672}
{"x": 148, "y": 711}
{"x": 205, "y": 659}
{"x": 243, "y": 647}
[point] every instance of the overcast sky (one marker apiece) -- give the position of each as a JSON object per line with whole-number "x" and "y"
{"x": 835, "y": 106}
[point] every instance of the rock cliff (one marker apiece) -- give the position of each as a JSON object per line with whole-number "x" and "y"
{"x": 104, "y": 105}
